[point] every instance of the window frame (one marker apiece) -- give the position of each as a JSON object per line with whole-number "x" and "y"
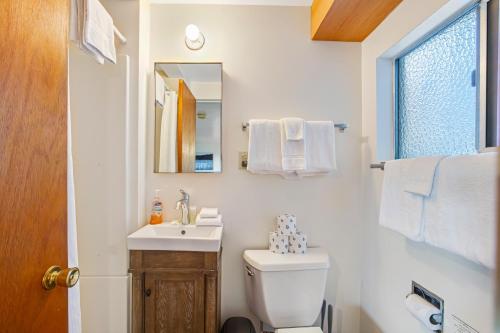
{"x": 480, "y": 75}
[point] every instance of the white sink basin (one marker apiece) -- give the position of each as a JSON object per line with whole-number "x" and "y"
{"x": 176, "y": 237}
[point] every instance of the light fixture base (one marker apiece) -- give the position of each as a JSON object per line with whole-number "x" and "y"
{"x": 195, "y": 44}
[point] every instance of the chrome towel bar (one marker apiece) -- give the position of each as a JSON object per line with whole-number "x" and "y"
{"x": 342, "y": 126}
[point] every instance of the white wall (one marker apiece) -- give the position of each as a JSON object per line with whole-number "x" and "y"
{"x": 390, "y": 262}
{"x": 271, "y": 69}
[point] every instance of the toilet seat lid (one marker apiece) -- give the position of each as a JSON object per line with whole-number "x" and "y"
{"x": 300, "y": 330}
{"x": 267, "y": 261}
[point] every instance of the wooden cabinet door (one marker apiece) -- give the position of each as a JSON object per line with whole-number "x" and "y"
{"x": 33, "y": 107}
{"x": 174, "y": 302}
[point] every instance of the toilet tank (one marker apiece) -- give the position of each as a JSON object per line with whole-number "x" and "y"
{"x": 285, "y": 290}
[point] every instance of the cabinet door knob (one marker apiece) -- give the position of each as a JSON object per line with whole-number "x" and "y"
{"x": 148, "y": 292}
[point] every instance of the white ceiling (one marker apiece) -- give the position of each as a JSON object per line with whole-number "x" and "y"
{"x": 193, "y": 72}
{"x": 238, "y": 2}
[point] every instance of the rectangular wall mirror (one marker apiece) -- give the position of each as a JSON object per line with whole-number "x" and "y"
{"x": 188, "y": 111}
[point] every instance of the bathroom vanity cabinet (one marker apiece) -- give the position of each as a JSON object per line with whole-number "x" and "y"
{"x": 175, "y": 291}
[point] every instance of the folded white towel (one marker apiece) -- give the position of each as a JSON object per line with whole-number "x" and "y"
{"x": 213, "y": 222}
{"x": 421, "y": 174}
{"x": 77, "y": 20}
{"x": 319, "y": 137}
{"x": 399, "y": 210}
{"x": 294, "y": 128}
{"x": 460, "y": 214}
{"x": 209, "y": 213}
{"x": 98, "y": 30}
{"x": 292, "y": 152}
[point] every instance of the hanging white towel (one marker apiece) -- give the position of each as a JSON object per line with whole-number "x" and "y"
{"x": 292, "y": 151}
{"x": 294, "y": 128}
{"x": 319, "y": 137}
{"x": 264, "y": 146}
{"x": 77, "y": 19}
{"x": 460, "y": 214}
{"x": 98, "y": 30}
{"x": 400, "y": 211}
{"x": 421, "y": 174}
{"x": 168, "y": 134}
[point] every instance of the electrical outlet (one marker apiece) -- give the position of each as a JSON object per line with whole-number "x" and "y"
{"x": 243, "y": 160}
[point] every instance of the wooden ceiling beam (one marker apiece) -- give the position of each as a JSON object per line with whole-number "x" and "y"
{"x": 348, "y": 20}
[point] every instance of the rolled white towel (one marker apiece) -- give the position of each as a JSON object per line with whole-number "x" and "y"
{"x": 209, "y": 213}
{"x": 212, "y": 222}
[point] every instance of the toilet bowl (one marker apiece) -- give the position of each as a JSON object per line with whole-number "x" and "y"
{"x": 286, "y": 290}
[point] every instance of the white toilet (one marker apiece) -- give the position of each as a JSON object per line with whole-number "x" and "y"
{"x": 286, "y": 290}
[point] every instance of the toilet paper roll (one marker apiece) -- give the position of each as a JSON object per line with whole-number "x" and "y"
{"x": 278, "y": 243}
{"x": 423, "y": 311}
{"x": 297, "y": 243}
{"x": 286, "y": 224}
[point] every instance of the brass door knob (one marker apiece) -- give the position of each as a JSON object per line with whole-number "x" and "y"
{"x": 56, "y": 276}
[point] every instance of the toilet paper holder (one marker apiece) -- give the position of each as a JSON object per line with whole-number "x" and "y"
{"x": 432, "y": 298}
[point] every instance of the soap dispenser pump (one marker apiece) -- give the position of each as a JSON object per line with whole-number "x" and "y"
{"x": 157, "y": 209}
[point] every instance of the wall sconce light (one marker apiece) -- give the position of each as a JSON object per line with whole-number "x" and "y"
{"x": 194, "y": 38}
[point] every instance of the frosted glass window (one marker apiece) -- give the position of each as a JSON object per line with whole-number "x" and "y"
{"x": 437, "y": 105}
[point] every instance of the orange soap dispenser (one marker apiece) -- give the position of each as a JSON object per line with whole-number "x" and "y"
{"x": 157, "y": 209}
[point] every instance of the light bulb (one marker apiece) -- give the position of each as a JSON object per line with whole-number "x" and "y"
{"x": 192, "y": 32}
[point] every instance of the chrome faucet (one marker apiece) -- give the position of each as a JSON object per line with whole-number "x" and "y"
{"x": 183, "y": 206}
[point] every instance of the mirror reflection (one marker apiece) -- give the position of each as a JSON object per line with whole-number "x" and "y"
{"x": 188, "y": 107}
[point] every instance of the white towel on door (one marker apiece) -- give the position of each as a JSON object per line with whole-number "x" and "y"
{"x": 292, "y": 151}
{"x": 294, "y": 128}
{"x": 98, "y": 30}
{"x": 421, "y": 174}
{"x": 319, "y": 137}
{"x": 460, "y": 214}
{"x": 400, "y": 211}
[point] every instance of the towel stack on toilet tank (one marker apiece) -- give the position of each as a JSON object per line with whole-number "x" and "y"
{"x": 286, "y": 238}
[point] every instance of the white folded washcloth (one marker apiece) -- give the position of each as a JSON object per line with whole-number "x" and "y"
{"x": 292, "y": 151}
{"x": 460, "y": 214}
{"x": 400, "y": 211}
{"x": 421, "y": 174}
{"x": 319, "y": 137}
{"x": 294, "y": 128}
{"x": 215, "y": 222}
{"x": 98, "y": 30}
{"x": 209, "y": 213}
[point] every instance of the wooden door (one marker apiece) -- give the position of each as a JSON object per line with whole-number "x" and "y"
{"x": 186, "y": 129}
{"x": 33, "y": 107}
{"x": 174, "y": 302}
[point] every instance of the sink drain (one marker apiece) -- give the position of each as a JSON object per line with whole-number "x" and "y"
{"x": 183, "y": 232}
